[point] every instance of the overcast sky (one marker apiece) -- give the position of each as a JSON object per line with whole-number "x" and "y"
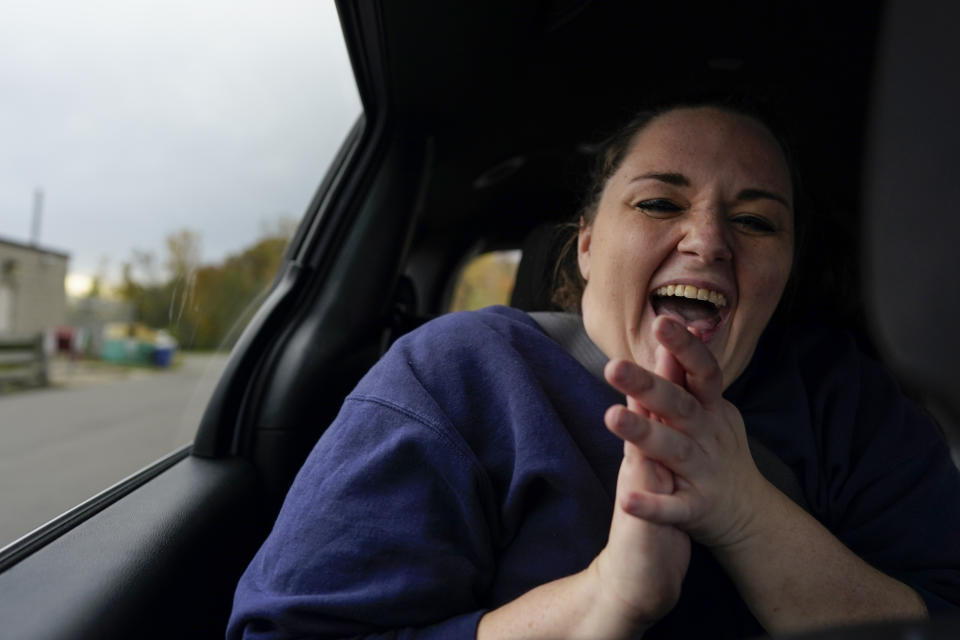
{"x": 140, "y": 118}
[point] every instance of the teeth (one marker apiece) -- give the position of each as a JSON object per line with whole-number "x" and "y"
{"x": 689, "y": 291}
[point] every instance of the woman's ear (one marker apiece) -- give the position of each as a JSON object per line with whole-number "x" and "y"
{"x": 583, "y": 248}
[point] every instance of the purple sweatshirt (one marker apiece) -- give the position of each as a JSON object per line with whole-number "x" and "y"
{"x": 471, "y": 464}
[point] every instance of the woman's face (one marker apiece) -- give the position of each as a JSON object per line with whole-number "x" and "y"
{"x": 700, "y": 207}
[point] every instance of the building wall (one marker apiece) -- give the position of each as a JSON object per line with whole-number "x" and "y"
{"x": 33, "y": 280}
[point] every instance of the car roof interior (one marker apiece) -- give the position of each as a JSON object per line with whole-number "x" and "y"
{"x": 514, "y": 96}
{"x": 479, "y": 123}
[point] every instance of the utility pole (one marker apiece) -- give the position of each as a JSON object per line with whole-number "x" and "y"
{"x": 37, "y": 216}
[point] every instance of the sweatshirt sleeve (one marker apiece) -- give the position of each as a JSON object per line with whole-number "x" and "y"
{"x": 383, "y": 534}
{"x": 894, "y": 492}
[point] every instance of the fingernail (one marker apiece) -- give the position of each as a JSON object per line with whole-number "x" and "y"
{"x": 621, "y": 372}
{"x": 613, "y": 372}
{"x": 634, "y": 503}
{"x": 670, "y": 329}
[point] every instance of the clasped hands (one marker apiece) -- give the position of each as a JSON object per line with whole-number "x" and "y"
{"x": 687, "y": 473}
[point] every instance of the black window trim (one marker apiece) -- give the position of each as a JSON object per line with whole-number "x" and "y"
{"x": 222, "y": 427}
{"x": 27, "y": 544}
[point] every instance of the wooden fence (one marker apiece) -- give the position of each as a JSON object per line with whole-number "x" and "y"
{"x": 23, "y": 360}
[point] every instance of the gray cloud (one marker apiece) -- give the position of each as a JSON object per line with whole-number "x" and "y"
{"x": 141, "y": 118}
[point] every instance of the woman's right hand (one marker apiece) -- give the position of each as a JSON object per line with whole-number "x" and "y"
{"x": 641, "y": 569}
{"x": 633, "y": 582}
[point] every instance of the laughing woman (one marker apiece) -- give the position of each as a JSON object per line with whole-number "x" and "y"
{"x": 662, "y": 464}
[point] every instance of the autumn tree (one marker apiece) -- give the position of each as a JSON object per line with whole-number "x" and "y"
{"x": 203, "y": 306}
{"x": 226, "y": 295}
{"x": 145, "y": 292}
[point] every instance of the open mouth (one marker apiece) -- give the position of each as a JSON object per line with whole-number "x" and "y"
{"x": 696, "y": 307}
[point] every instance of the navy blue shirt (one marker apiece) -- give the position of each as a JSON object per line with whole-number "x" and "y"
{"x": 471, "y": 464}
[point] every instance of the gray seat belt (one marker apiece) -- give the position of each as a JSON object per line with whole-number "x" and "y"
{"x": 567, "y": 329}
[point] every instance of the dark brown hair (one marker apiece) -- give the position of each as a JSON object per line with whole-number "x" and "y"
{"x": 568, "y": 284}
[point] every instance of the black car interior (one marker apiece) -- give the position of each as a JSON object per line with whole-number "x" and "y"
{"x": 479, "y": 119}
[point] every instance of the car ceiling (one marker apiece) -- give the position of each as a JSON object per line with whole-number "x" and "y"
{"x": 513, "y": 92}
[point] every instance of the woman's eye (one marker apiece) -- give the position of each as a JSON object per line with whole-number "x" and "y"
{"x": 658, "y": 207}
{"x": 754, "y": 224}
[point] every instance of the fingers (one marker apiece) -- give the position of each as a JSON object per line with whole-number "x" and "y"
{"x": 704, "y": 379}
{"x": 657, "y": 508}
{"x": 668, "y": 368}
{"x": 654, "y": 477}
{"x": 647, "y": 392}
{"x": 655, "y": 441}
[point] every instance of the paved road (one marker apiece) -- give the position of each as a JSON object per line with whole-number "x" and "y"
{"x": 59, "y": 446}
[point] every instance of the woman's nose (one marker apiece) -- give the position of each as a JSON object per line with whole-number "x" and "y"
{"x": 706, "y": 237}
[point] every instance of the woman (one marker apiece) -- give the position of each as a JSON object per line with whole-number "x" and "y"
{"x": 467, "y": 486}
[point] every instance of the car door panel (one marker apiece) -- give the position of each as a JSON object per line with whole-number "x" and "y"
{"x": 161, "y": 562}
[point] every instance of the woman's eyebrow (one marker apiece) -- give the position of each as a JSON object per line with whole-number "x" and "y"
{"x": 760, "y": 194}
{"x": 680, "y": 180}
{"x": 676, "y": 179}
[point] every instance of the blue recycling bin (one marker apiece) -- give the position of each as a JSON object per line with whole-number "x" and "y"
{"x": 163, "y": 356}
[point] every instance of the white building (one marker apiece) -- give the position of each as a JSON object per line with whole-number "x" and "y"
{"x": 32, "y": 294}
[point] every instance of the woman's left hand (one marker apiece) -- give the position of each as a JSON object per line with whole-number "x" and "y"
{"x": 696, "y": 434}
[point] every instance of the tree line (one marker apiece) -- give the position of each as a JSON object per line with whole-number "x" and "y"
{"x": 204, "y": 306}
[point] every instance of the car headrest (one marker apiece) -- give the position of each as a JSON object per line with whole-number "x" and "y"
{"x": 534, "y": 282}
